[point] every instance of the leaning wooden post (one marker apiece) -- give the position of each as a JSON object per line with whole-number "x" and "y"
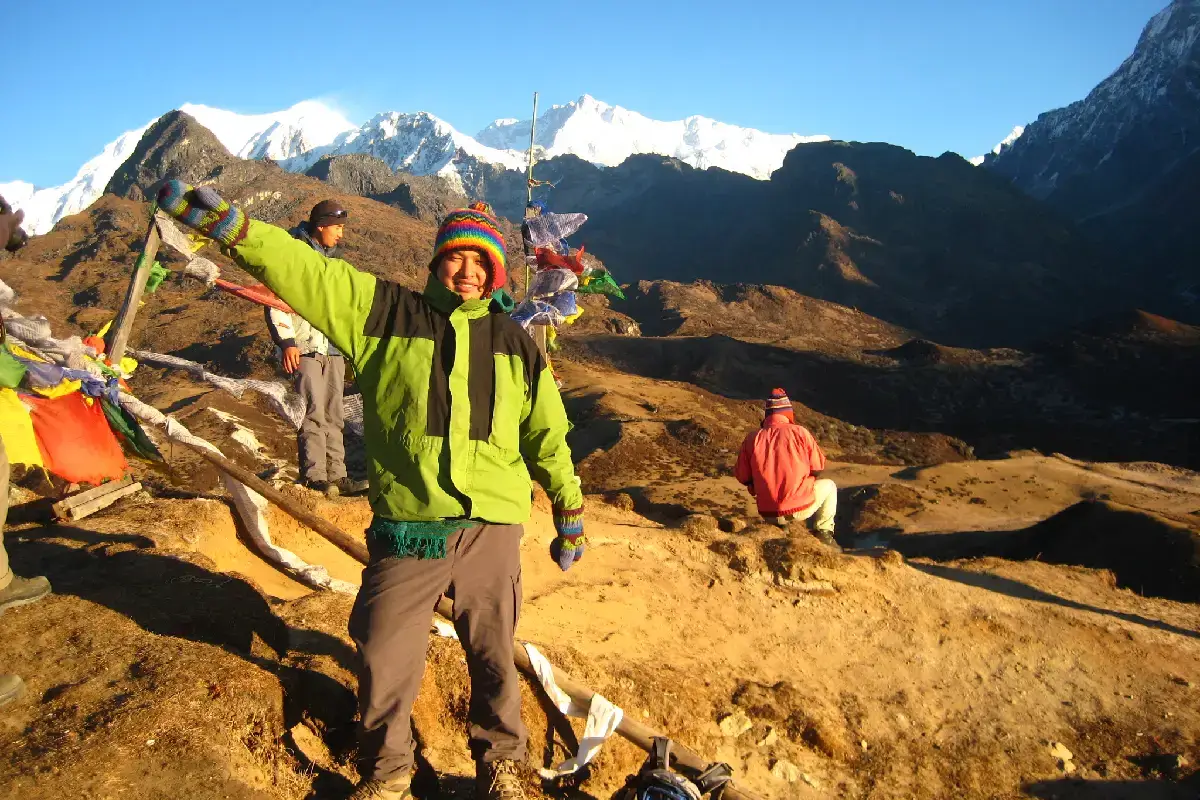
{"x": 630, "y": 729}
{"x": 118, "y": 336}
{"x": 538, "y": 332}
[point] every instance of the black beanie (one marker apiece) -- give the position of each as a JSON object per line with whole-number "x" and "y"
{"x": 327, "y": 212}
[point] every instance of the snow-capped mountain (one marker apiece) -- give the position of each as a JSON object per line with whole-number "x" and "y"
{"x": 1124, "y": 163}
{"x": 1004, "y": 144}
{"x": 44, "y": 207}
{"x": 1139, "y": 121}
{"x": 422, "y": 144}
{"x": 279, "y": 135}
{"x": 419, "y": 143}
{"x": 607, "y": 135}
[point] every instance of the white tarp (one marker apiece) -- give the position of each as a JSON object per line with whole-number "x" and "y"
{"x": 250, "y": 505}
{"x": 287, "y": 404}
{"x": 602, "y": 716}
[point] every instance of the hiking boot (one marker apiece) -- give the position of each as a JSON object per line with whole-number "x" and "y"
{"x": 23, "y": 591}
{"x": 11, "y": 688}
{"x": 498, "y": 780}
{"x": 326, "y": 488}
{"x": 398, "y": 788}
{"x": 826, "y": 538}
{"x": 348, "y": 487}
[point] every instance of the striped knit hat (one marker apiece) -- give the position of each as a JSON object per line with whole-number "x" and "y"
{"x": 778, "y": 402}
{"x": 473, "y": 228}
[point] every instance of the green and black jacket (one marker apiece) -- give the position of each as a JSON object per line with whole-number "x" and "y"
{"x": 457, "y": 399}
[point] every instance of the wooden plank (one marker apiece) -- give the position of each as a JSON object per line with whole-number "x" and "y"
{"x": 102, "y": 489}
{"x": 118, "y": 336}
{"x": 538, "y": 332}
{"x": 63, "y": 506}
{"x": 103, "y": 501}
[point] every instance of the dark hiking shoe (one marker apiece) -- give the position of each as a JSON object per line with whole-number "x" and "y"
{"x": 326, "y": 488}
{"x": 498, "y": 780}
{"x": 348, "y": 487}
{"x": 23, "y": 591}
{"x": 11, "y": 688}
{"x": 392, "y": 789}
{"x": 826, "y": 538}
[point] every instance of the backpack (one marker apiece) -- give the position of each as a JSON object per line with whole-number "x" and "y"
{"x": 657, "y": 781}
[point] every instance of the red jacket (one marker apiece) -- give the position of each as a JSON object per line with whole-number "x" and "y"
{"x": 776, "y": 463}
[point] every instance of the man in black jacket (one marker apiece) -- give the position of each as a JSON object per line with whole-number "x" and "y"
{"x": 318, "y": 367}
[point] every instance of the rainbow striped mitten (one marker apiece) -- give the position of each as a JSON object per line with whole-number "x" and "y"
{"x": 567, "y": 547}
{"x": 205, "y": 211}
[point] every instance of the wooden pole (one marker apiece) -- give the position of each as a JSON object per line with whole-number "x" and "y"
{"x": 118, "y": 336}
{"x": 632, "y": 730}
{"x": 538, "y": 332}
{"x": 344, "y": 541}
{"x": 529, "y": 178}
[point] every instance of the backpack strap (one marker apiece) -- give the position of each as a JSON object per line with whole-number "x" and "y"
{"x": 660, "y": 754}
{"x": 714, "y": 779}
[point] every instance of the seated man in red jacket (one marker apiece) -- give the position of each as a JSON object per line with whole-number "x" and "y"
{"x": 779, "y": 464}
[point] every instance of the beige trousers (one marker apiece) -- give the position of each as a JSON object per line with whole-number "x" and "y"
{"x": 822, "y": 511}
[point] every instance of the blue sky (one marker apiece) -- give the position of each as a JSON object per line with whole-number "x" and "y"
{"x": 931, "y": 75}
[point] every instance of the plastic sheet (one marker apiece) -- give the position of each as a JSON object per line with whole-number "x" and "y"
{"x": 286, "y": 403}
{"x": 251, "y": 506}
{"x": 546, "y": 230}
{"x": 536, "y": 312}
{"x": 550, "y": 282}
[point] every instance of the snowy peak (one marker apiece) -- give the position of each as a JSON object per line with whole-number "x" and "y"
{"x": 418, "y": 143}
{"x": 279, "y": 135}
{"x": 1007, "y": 141}
{"x": 44, "y": 207}
{"x": 607, "y": 135}
{"x": 1004, "y": 144}
{"x": 422, "y": 144}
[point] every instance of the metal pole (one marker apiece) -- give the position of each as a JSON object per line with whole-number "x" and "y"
{"x": 529, "y": 176}
{"x": 532, "y": 134}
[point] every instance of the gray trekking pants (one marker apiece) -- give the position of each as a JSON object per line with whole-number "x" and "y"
{"x": 320, "y": 381}
{"x": 390, "y": 624}
{"x": 6, "y": 575}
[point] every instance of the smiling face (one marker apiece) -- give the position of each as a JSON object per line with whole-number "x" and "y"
{"x": 329, "y": 235}
{"x": 464, "y": 272}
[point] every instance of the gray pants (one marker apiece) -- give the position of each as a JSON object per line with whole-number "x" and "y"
{"x": 320, "y": 381}
{"x": 6, "y": 575}
{"x": 390, "y": 624}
